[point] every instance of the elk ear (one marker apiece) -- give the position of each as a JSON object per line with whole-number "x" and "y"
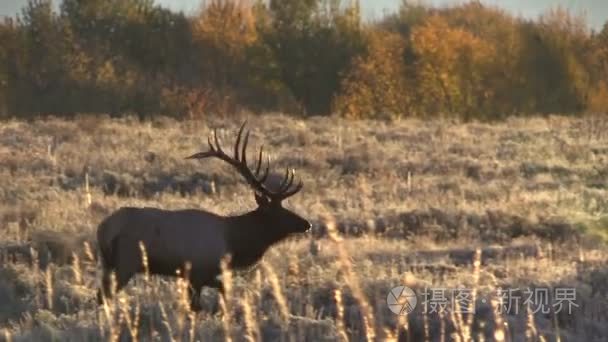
{"x": 262, "y": 201}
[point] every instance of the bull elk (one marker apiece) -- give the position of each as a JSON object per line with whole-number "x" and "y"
{"x": 198, "y": 238}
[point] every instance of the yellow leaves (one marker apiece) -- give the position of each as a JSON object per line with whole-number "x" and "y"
{"x": 561, "y": 21}
{"x": 226, "y": 24}
{"x": 225, "y": 32}
{"x": 443, "y": 44}
{"x": 598, "y": 98}
{"x": 375, "y": 85}
{"x": 106, "y": 73}
{"x": 451, "y": 66}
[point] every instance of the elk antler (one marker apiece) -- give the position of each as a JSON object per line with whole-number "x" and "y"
{"x": 254, "y": 179}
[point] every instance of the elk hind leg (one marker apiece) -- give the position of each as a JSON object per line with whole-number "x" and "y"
{"x": 195, "y": 297}
{"x": 105, "y": 290}
{"x": 221, "y": 294}
{"x": 127, "y": 265}
{"x": 195, "y": 293}
{"x": 112, "y": 282}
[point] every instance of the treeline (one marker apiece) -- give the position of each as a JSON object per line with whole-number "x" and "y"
{"x": 310, "y": 57}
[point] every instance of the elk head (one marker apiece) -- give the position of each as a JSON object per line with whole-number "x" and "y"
{"x": 270, "y": 211}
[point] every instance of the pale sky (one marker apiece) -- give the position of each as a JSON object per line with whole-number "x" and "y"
{"x": 596, "y": 10}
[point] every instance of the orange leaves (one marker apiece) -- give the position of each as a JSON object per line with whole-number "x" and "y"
{"x": 224, "y": 31}
{"x": 450, "y": 67}
{"x": 598, "y": 97}
{"x": 227, "y": 24}
{"x": 442, "y": 45}
{"x": 299, "y": 56}
{"x": 375, "y": 84}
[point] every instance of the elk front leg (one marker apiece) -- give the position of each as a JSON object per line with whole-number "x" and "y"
{"x": 219, "y": 286}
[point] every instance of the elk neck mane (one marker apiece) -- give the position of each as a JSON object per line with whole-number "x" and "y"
{"x": 248, "y": 236}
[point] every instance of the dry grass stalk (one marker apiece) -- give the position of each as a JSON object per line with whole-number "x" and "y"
{"x": 531, "y": 332}
{"x": 48, "y": 286}
{"x": 144, "y": 260}
{"x": 499, "y": 323}
{"x": 192, "y": 325}
{"x": 226, "y": 299}
{"x": 457, "y": 334}
{"x": 476, "y": 274}
{"x": 464, "y": 328}
{"x": 340, "y": 315}
{"x": 165, "y": 322}
{"x": 276, "y": 291}
{"x": 50, "y": 152}
{"x": 183, "y": 293}
{"x": 441, "y": 326}
{"x": 36, "y": 272}
{"x": 132, "y": 323}
{"x": 425, "y": 325}
{"x": 252, "y": 329}
{"x": 182, "y": 288}
{"x": 109, "y": 310}
{"x": 89, "y": 252}
{"x": 225, "y": 319}
{"x": 353, "y": 282}
{"x": 293, "y": 271}
{"x": 409, "y": 181}
{"x": 257, "y": 289}
{"x": 76, "y": 269}
{"x": 403, "y": 328}
{"x": 87, "y": 191}
{"x": 556, "y": 327}
{"x": 389, "y": 335}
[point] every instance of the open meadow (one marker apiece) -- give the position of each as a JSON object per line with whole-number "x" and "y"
{"x": 520, "y": 205}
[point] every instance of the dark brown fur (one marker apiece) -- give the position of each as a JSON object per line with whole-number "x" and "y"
{"x": 173, "y": 239}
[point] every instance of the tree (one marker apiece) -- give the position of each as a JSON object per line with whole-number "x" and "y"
{"x": 553, "y": 63}
{"x": 598, "y": 70}
{"x": 313, "y": 45}
{"x": 376, "y": 84}
{"x": 38, "y": 70}
{"x": 8, "y": 49}
{"x": 225, "y": 31}
{"x": 451, "y": 68}
{"x": 129, "y": 52}
{"x": 503, "y": 82}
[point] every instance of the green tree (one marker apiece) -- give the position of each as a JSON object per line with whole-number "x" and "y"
{"x": 556, "y": 79}
{"x": 8, "y": 49}
{"x": 224, "y": 31}
{"x": 38, "y": 69}
{"x": 130, "y": 52}
{"x": 598, "y": 70}
{"x": 312, "y": 45}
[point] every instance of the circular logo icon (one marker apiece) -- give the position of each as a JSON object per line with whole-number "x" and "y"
{"x": 401, "y": 300}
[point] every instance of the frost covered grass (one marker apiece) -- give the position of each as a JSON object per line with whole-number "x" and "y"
{"x": 393, "y": 203}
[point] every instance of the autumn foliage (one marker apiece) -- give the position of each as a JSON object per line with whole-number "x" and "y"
{"x": 376, "y": 82}
{"x": 306, "y": 57}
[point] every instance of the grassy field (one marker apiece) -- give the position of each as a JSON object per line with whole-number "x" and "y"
{"x": 430, "y": 205}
